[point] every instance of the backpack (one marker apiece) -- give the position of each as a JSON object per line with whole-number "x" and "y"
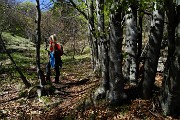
{"x": 59, "y": 49}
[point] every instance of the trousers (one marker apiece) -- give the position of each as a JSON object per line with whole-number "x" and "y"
{"x": 58, "y": 65}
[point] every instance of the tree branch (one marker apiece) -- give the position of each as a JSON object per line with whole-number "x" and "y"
{"x": 146, "y": 12}
{"x": 75, "y": 6}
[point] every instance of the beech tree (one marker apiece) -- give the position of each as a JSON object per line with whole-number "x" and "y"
{"x": 170, "y": 99}
{"x": 103, "y": 49}
{"x": 152, "y": 56}
{"x": 92, "y": 36}
{"x": 116, "y": 80}
{"x": 130, "y": 67}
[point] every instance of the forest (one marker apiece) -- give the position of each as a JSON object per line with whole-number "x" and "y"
{"x": 120, "y": 60}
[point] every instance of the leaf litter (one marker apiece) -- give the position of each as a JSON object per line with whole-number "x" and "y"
{"x": 76, "y": 89}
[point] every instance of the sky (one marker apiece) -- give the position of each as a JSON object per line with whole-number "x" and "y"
{"x": 44, "y": 4}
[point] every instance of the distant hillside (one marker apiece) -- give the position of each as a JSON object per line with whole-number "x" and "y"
{"x": 14, "y": 42}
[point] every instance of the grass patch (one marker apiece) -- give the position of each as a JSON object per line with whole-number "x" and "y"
{"x": 77, "y": 58}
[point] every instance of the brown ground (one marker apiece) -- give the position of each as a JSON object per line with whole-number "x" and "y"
{"x": 69, "y": 103}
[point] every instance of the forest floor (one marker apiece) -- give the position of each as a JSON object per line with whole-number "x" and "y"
{"x": 73, "y": 98}
{"x": 75, "y": 88}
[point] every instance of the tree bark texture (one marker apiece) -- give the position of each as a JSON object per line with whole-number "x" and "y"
{"x": 116, "y": 82}
{"x": 103, "y": 51}
{"x": 171, "y": 14}
{"x": 100, "y": 25}
{"x": 93, "y": 38}
{"x": 38, "y": 41}
{"x": 130, "y": 65}
{"x": 170, "y": 100}
{"x": 150, "y": 65}
{"x": 139, "y": 42}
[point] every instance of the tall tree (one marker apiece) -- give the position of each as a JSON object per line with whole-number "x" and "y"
{"x": 171, "y": 16}
{"x": 130, "y": 66}
{"x": 151, "y": 61}
{"x": 139, "y": 39}
{"x": 93, "y": 37}
{"x": 170, "y": 100}
{"x": 103, "y": 50}
{"x": 116, "y": 82}
{"x": 38, "y": 41}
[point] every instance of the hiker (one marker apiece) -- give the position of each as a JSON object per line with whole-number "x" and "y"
{"x": 55, "y": 62}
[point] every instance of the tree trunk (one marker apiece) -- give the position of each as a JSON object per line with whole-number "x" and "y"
{"x": 131, "y": 47}
{"x": 150, "y": 65}
{"x": 93, "y": 41}
{"x": 170, "y": 100}
{"x": 139, "y": 49}
{"x": 171, "y": 14}
{"x": 140, "y": 36}
{"x": 103, "y": 50}
{"x": 26, "y": 83}
{"x": 95, "y": 46}
{"x": 74, "y": 43}
{"x": 38, "y": 41}
{"x": 100, "y": 25}
{"x": 116, "y": 83}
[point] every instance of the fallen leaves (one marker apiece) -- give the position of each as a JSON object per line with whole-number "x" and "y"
{"x": 70, "y": 101}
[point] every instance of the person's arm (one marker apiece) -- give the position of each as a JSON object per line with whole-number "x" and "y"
{"x": 49, "y": 49}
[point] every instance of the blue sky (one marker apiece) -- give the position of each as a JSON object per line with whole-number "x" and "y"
{"x": 44, "y": 4}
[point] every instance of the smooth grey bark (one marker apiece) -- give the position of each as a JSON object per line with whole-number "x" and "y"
{"x": 90, "y": 37}
{"x": 92, "y": 52}
{"x": 25, "y": 81}
{"x": 150, "y": 65}
{"x": 93, "y": 38}
{"x": 100, "y": 31}
{"x": 170, "y": 100}
{"x": 38, "y": 41}
{"x": 103, "y": 52}
{"x": 116, "y": 82}
{"x": 130, "y": 65}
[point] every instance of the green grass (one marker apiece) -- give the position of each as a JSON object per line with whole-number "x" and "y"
{"x": 22, "y": 51}
{"x": 77, "y": 58}
{"x": 16, "y": 42}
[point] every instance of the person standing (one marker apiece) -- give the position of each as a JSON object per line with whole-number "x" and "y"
{"x": 55, "y": 62}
